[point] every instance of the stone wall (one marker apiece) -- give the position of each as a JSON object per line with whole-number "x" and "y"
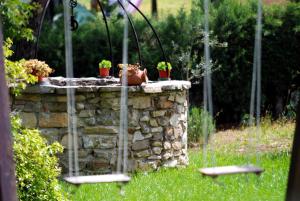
{"x": 157, "y": 123}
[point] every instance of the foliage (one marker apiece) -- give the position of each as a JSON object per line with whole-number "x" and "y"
{"x": 37, "y": 165}
{"x": 196, "y": 120}
{"x": 92, "y": 33}
{"x": 36, "y": 162}
{"x": 163, "y": 66}
{"x": 16, "y": 75}
{"x": 232, "y": 26}
{"x": 37, "y": 68}
{"x": 16, "y": 15}
{"x": 234, "y": 23}
{"x": 105, "y": 64}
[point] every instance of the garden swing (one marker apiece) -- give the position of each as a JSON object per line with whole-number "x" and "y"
{"x": 121, "y": 176}
{"x": 214, "y": 172}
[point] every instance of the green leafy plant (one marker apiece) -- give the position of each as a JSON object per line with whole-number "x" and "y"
{"x": 16, "y": 15}
{"x": 105, "y": 64}
{"x": 164, "y": 65}
{"x": 196, "y": 120}
{"x": 16, "y": 76}
{"x": 36, "y": 165}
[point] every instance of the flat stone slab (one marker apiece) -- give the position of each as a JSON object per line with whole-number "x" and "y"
{"x": 160, "y": 86}
{"x": 90, "y": 81}
{"x": 111, "y": 84}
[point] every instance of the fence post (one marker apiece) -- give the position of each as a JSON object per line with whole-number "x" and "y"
{"x": 293, "y": 188}
{"x": 7, "y": 169}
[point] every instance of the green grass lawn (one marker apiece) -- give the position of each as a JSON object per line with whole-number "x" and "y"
{"x": 165, "y": 7}
{"x": 188, "y": 184}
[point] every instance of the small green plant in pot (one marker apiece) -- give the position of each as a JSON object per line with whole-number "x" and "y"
{"x": 164, "y": 68}
{"x": 104, "y": 67}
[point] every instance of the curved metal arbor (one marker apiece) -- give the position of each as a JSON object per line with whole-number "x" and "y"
{"x": 153, "y": 30}
{"x": 134, "y": 31}
{"x": 107, "y": 29}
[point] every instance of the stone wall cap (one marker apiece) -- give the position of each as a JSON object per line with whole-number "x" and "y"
{"x": 58, "y": 85}
{"x": 160, "y": 86}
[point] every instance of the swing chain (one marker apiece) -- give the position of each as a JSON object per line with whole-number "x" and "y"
{"x": 74, "y": 23}
{"x": 73, "y": 3}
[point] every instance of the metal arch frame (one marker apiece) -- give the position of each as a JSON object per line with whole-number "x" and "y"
{"x": 106, "y": 26}
{"x": 107, "y": 32}
{"x": 42, "y": 22}
{"x": 134, "y": 31}
{"x": 153, "y": 30}
{"x": 40, "y": 28}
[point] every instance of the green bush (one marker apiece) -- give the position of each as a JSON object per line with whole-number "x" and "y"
{"x": 90, "y": 45}
{"x": 36, "y": 165}
{"x": 196, "y": 120}
{"x": 234, "y": 23}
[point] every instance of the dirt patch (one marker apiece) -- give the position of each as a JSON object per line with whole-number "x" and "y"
{"x": 268, "y": 2}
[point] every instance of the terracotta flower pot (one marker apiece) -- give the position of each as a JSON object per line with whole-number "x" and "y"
{"x": 164, "y": 74}
{"x": 135, "y": 76}
{"x": 40, "y": 78}
{"x": 104, "y": 72}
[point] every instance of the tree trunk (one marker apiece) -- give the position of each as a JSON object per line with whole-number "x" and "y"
{"x": 25, "y": 49}
{"x": 154, "y": 8}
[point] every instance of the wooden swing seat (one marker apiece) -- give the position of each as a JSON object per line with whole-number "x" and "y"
{"x": 230, "y": 170}
{"x": 94, "y": 179}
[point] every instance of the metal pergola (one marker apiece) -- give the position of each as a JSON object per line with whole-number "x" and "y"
{"x": 74, "y": 25}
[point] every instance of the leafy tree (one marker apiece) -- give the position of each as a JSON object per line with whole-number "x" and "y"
{"x": 154, "y": 8}
{"x": 15, "y": 15}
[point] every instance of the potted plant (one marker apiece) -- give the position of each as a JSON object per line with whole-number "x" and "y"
{"x": 164, "y": 68}
{"x": 38, "y": 68}
{"x": 104, "y": 67}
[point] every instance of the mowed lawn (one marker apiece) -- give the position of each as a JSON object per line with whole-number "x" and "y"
{"x": 231, "y": 147}
{"x": 165, "y": 7}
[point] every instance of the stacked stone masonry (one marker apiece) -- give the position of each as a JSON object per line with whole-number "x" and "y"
{"x": 157, "y": 123}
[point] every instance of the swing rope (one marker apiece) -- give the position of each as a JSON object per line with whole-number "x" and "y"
{"x": 74, "y": 177}
{"x": 207, "y": 89}
{"x": 123, "y": 132}
{"x": 255, "y": 103}
{"x": 72, "y": 128}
